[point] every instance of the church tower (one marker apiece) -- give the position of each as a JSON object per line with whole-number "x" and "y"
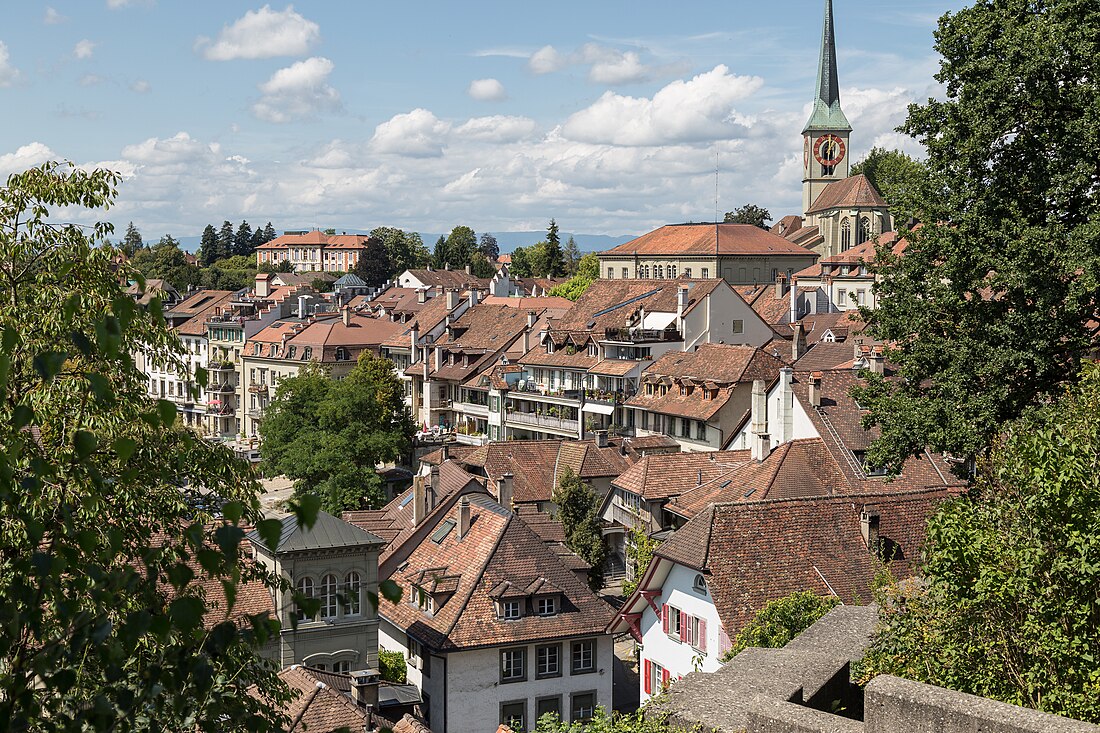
{"x": 825, "y": 138}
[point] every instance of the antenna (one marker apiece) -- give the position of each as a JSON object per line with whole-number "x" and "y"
{"x": 716, "y": 265}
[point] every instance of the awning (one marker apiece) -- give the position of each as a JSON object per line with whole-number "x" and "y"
{"x": 598, "y": 407}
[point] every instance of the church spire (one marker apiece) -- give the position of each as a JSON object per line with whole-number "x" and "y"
{"x": 827, "y": 114}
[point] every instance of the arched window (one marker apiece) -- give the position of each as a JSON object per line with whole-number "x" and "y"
{"x": 845, "y": 235}
{"x": 672, "y": 271}
{"x": 305, "y": 587}
{"x": 328, "y": 596}
{"x": 660, "y": 272}
{"x": 353, "y": 594}
{"x": 644, "y": 272}
{"x": 864, "y": 232}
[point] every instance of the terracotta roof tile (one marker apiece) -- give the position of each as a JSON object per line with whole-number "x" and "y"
{"x": 613, "y": 303}
{"x": 665, "y": 475}
{"x": 699, "y": 239}
{"x": 318, "y": 708}
{"x": 854, "y": 191}
{"x": 450, "y": 279}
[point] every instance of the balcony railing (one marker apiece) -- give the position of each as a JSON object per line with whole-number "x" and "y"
{"x": 623, "y": 515}
{"x": 257, "y": 388}
{"x": 642, "y": 335}
{"x": 221, "y": 366}
{"x": 471, "y": 408}
{"x": 256, "y": 412}
{"x": 533, "y": 388}
{"x": 222, "y": 410}
{"x": 544, "y": 421}
{"x": 611, "y": 397}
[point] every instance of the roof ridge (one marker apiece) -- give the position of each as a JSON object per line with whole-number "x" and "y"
{"x": 835, "y": 498}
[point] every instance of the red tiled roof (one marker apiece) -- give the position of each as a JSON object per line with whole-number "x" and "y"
{"x": 201, "y": 305}
{"x": 612, "y": 303}
{"x": 665, "y": 475}
{"x": 317, "y": 707}
{"x": 854, "y": 191}
{"x": 699, "y": 239}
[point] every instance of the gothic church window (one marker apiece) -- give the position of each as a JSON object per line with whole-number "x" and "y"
{"x": 845, "y": 235}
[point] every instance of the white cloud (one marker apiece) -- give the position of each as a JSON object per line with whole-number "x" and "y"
{"x": 84, "y": 49}
{"x": 497, "y": 128}
{"x": 684, "y": 111}
{"x": 52, "y": 17}
{"x": 261, "y": 34}
{"x": 547, "y": 60}
{"x": 8, "y": 73}
{"x": 417, "y": 134}
{"x": 25, "y": 157}
{"x": 626, "y": 68}
{"x": 90, "y": 80}
{"x": 299, "y": 91}
{"x": 487, "y": 90}
{"x": 141, "y": 86}
{"x": 116, "y": 4}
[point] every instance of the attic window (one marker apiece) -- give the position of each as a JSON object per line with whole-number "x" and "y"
{"x": 291, "y": 352}
{"x": 341, "y": 353}
{"x": 547, "y": 606}
{"x": 748, "y": 493}
{"x": 406, "y": 500}
{"x": 549, "y": 346}
{"x": 308, "y": 353}
{"x": 593, "y": 350}
{"x": 444, "y": 529}
{"x": 699, "y": 585}
{"x": 510, "y": 610}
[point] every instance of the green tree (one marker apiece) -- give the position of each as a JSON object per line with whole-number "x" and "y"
{"x": 165, "y": 260}
{"x": 555, "y": 261}
{"x": 242, "y": 240}
{"x": 392, "y": 666}
{"x": 488, "y": 246}
{"x": 406, "y": 250}
{"x": 896, "y": 176}
{"x": 374, "y": 265}
{"x": 440, "y": 255}
{"x": 993, "y": 303}
{"x": 226, "y": 241}
{"x": 639, "y": 552}
{"x": 587, "y": 271}
{"x": 571, "y": 257}
{"x": 329, "y": 435}
{"x": 208, "y": 246}
{"x": 102, "y": 624}
{"x": 605, "y": 722}
{"x": 521, "y": 264}
{"x": 578, "y": 510}
{"x": 481, "y": 267}
{"x": 461, "y": 245}
{"x": 131, "y": 243}
{"x": 1008, "y": 606}
{"x": 540, "y": 259}
{"x": 758, "y": 216}
{"x": 781, "y": 620}
{"x": 269, "y": 233}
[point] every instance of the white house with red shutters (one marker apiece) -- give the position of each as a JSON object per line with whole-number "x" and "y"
{"x": 678, "y": 627}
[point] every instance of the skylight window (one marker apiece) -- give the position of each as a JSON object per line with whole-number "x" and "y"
{"x": 405, "y": 502}
{"x": 444, "y": 529}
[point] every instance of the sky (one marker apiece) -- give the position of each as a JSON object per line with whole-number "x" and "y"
{"x": 609, "y": 116}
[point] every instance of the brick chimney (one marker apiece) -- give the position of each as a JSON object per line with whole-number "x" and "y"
{"x": 463, "y": 516}
{"x": 345, "y": 315}
{"x": 868, "y": 525}
{"x": 452, "y": 298}
{"x": 601, "y": 438}
{"x": 798, "y": 343}
{"x": 469, "y": 270}
{"x": 780, "y": 286}
{"x": 263, "y": 284}
{"x": 474, "y": 298}
{"x": 504, "y": 490}
{"x": 419, "y": 501}
{"x": 877, "y": 360}
{"x": 814, "y": 388}
{"x": 421, "y": 295}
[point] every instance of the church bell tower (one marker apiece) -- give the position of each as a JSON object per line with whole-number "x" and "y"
{"x": 825, "y": 138}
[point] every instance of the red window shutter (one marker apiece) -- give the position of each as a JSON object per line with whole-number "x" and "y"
{"x": 702, "y": 641}
{"x": 664, "y": 618}
{"x": 647, "y": 675}
{"x": 685, "y": 627}
{"x": 664, "y": 678}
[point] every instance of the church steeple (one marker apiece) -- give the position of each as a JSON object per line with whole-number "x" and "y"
{"x": 827, "y": 114}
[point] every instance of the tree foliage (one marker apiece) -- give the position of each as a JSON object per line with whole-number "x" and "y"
{"x": 405, "y": 250}
{"x": 488, "y": 246}
{"x": 208, "y": 246}
{"x": 571, "y": 257}
{"x": 781, "y": 620}
{"x": 553, "y": 264}
{"x": 587, "y": 270}
{"x": 758, "y": 216}
{"x": 639, "y": 553}
{"x": 132, "y": 242}
{"x": 1009, "y": 606}
{"x": 896, "y": 176}
{"x": 329, "y": 435}
{"x": 374, "y": 265}
{"x": 102, "y": 625}
{"x": 578, "y": 510}
{"x": 460, "y": 246}
{"x": 521, "y": 264}
{"x": 605, "y": 722}
{"x": 994, "y": 302}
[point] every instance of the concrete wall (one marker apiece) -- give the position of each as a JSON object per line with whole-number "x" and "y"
{"x": 801, "y": 427}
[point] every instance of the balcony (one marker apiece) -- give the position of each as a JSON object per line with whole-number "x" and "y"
{"x": 225, "y": 320}
{"x": 438, "y": 403}
{"x": 472, "y": 438}
{"x": 536, "y": 391}
{"x": 607, "y": 397}
{"x": 642, "y": 335}
{"x": 256, "y": 413}
{"x": 544, "y": 421}
{"x": 221, "y": 366}
{"x": 622, "y": 515}
{"x": 223, "y": 388}
{"x": 257, "y": 388}
{"x": 471, "y": 408}
{"x": 222, "y": 410}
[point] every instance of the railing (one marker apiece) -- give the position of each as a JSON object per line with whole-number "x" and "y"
{"x": 225, "y": 320}
{"x": 439, "y": 402}
{"x": 221, "y": 410}
{"x": 564, "y": 394}
{"x": 221, "y": 366}
{"x": 544, "y": 421}
{"x": 257, "y": 388}
{"x": 256, "y": 412}
{"x": 471, "y": 407}
{"x": 642, "y": 335}
{"x": 224, "y": 388}
{"x": 611, "y": 397}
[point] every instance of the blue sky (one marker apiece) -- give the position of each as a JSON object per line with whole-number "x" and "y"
{"x": 499, "y": 115}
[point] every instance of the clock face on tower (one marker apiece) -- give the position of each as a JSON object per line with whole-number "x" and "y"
{"x": 829, "y": 150}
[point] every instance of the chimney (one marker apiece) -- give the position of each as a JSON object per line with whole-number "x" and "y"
{"x": 868, "y": 525}
{"x": 414, "y": 336}
{"x": 761, "y": 446}
{"x": 681, "y": 306}
{"x": 786, "y": 406}
{"x": 474, "y": 298}
{"x": 780, "y": 286}
{"x": 447, "y": 266}
{"x": 302, "y": 301}
{"x": 504, "y": 491}
{"x": 452, "y": 298}
{"x": 601, "y": 438}
{"x": 878, "y": 361}
{"x": 761, "y": 441}
{"x": 419, "y": 501}
{"x": 531, "y": 319}
{"x": 798, "y": 343}
{"x": 815, "y": 389}
{"x": 421, "y": 295}
{"x": 364, "y": 688}
{"x": 345, "y": 313}
{"x": 263, "y": 285}
{"x": 444, "y": 453}
{"x": 463, "y": 516}
{"x": 431, "y": 490}
{"x": 429, "y": 267}
{"x": 469, "y": 270}
{"x": 794, "y": 305}
{"x": 438, "y": 358}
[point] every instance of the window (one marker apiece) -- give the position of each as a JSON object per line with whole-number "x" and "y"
{"x": 546, "y": 606}
{"x": 514, "y": 714}
{"x": 672, "y": 271}
{"x": 328, "y": 596}
{"x": 544, "y": 705}
{"x": 584, "y": 656}
{"x": 660, "y": 272}
{"x": 845, "y": 235}
{"x": 494, "y": 404}
{"x": 687, "y": 272}
{"x": 656, "y": 678}
{"x": 685, "y": 428}
{"x": 305, "y": 587}
{"x": 706, "y": 273}
{"x": 699, "y": 585}
{"x": 307, "y": 353}
{"x": 864, "y": 231}
{"x": 513, "y": 665}
{"x": 582, "y": 706}
{"x": 698, "y": 636}
{"x": 644, "y": 272}
{"x": 611, "y": 273}
{"x": 353, "y": 594}
{"x": 510, "y": 610}
{"x": 671, "y": 621}
{"x": 444, "y": 529}
{"x": 738, "y": 326}
{"x": 292, "y": 352}
{"x": 341, "y": 354}
{"x": 626, "y": 273}
{"x": 343, "y": 667}
{"x": 700, "y": 430}
{"x": 861, "y": 297}
{"x": 548, "y": 661}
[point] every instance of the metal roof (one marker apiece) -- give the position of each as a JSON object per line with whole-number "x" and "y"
{"x": 326, "y": 533}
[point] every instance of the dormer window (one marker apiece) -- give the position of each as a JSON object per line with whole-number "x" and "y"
{"x": 341, "y": 353}
{"x": 699, "y": 585}
{"x": 292, "y": 352}
{"x": 510, "y": 610}
{"x": 593, "y": 350}
{"x": 549, "y": 346}
{"x": 308, "y": 353}
{"x": 547, "y": 606}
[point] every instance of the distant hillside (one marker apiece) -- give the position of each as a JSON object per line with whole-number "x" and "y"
{"x": 508, "y": 241}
